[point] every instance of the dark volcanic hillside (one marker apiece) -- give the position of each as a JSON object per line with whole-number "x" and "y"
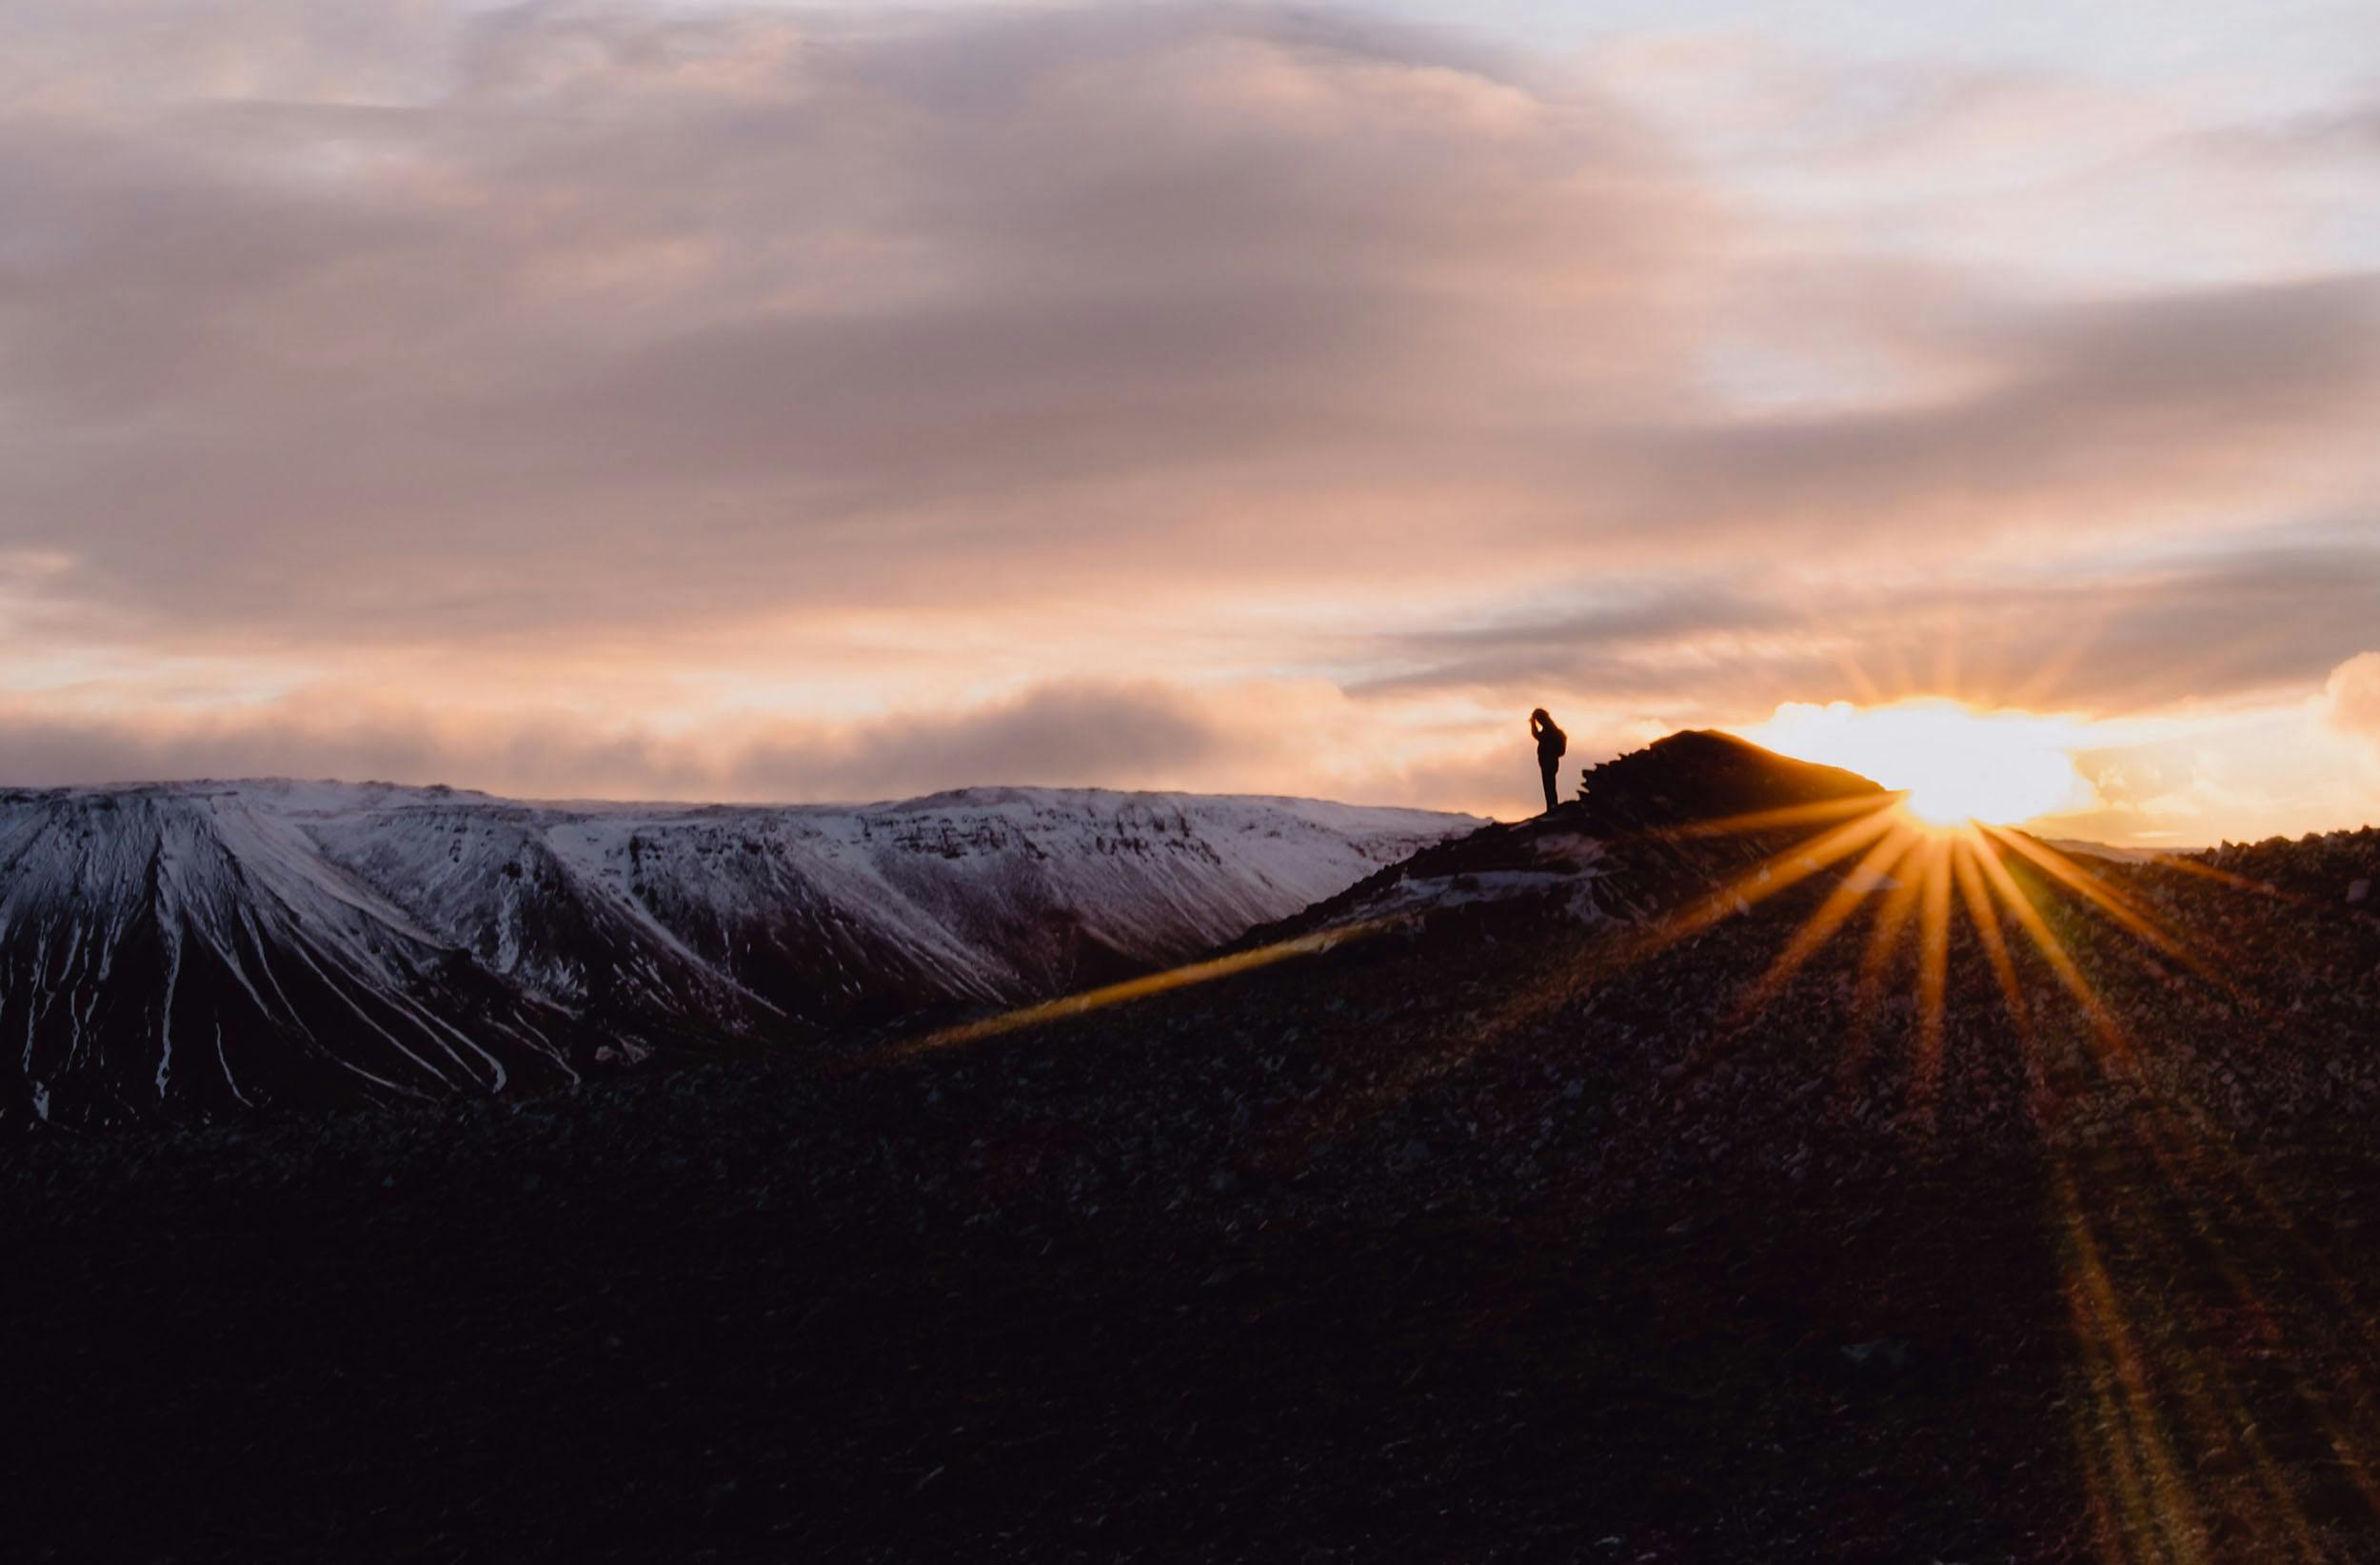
{"x": 1712, "y": 1170}
{"x": 198, "y": 950}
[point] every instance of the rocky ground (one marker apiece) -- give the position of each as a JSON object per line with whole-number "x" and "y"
{"x": 1540, "y": 1217}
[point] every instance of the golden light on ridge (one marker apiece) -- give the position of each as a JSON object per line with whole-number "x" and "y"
{"x": 1955, "y": 761}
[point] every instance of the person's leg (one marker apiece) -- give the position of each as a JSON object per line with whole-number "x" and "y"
{"x": 1546, "y": 769}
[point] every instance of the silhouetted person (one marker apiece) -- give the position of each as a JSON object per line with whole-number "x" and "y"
{"x": 1552, "y": 742}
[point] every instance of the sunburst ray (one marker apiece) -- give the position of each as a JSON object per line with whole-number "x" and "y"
{"x": 2136, "y": 920}
{"x": 1831, "y": 914}
{"x": 1933, "y": 958}
{"x": 1131, "y": 989}
{"x": 1787, "y": 815}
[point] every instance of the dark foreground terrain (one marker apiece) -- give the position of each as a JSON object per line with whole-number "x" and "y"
{"x": 1543, "y": 1216}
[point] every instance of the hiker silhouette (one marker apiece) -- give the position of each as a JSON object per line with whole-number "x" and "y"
{"x": 1552, "y": 742}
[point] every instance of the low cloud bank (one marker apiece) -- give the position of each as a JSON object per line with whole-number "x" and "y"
{"x": 1075, "y": 734}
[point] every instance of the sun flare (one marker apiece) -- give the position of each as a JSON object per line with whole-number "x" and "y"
{"x": 1956, "y": 763}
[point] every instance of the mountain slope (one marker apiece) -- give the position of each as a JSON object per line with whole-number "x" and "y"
{"x": 1615, "y": 853}
{"x": 1614, "y": 1186}
{"x": 203, "y": 948}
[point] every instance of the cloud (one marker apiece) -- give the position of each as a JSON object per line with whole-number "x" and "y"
{"x": 2126, "y": 629}
{"x": 2224, "y": 385}
{"x": 2349, "y": 133}
{"x": 610, "y": 319}
{"x": 1129, "y": 733}
{"x": 566, "y": 398}
{"x": 2350, "y": 699}
{"x": 820, "y": 309}
{"x": 1062, "y": 734}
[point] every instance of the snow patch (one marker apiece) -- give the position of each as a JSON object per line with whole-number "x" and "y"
{"x": 347, "y": 940}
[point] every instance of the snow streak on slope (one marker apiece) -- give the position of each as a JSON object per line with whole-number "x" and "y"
{"x": 199, "y": 948}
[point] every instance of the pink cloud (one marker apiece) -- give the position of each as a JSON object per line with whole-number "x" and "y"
{"x": 1202, "y": 362}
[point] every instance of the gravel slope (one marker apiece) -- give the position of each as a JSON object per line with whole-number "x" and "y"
{"x": 1503, "y": 1229}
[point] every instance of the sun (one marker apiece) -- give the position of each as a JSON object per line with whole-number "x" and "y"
{"x": 1955, "y": 763}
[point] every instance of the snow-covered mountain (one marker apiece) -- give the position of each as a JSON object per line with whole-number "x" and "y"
{"x": 195, "y": 948}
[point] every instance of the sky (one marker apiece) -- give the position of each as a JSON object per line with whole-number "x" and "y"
{"x": 688, "y": 400}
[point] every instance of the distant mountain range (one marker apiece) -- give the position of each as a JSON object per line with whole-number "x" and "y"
{"x": 2108, "y": 850}
{"x": 190, "y": 949}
